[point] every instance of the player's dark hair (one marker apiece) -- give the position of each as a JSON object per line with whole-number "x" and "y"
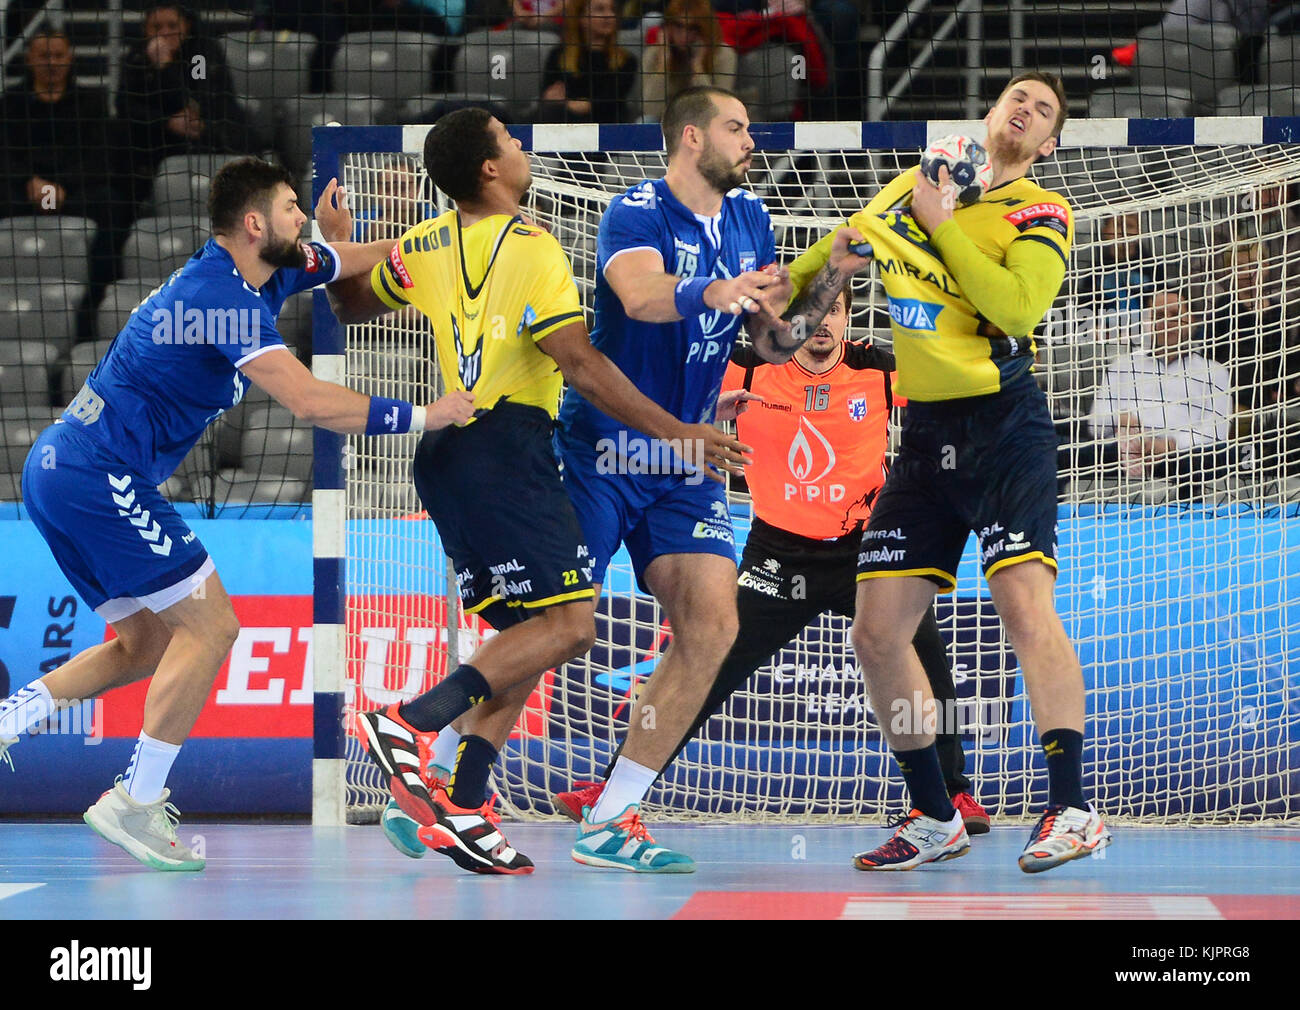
{"x": 692, "y": 106}
{"x": 1058, "y": 89}
{"x": 848, "y": 299}
{"x": 248, "y": 183}
{"x": 455, "y": 149}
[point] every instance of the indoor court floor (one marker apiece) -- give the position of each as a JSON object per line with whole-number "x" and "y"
{"x": 64, "y": 871}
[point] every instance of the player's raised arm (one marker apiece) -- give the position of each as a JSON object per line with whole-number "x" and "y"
{"x": 598, "y": 379}
{"x": 351, "y": 295}
{"x": 776, "y": 339}
{"x": 340, "y": 409}
{"x": 650, "y": 295}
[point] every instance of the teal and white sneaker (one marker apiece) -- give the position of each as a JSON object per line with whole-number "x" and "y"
{"x": 399, "y": 827}
{"x": 146, "y": 830}
{"x": 623, "y": 843}
{"x": 400, "y": 830}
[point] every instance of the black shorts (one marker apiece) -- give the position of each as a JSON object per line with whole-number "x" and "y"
{"x": 493, "y": 490}
{"x": 985, "y": 465}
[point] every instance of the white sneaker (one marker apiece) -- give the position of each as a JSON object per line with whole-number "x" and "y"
{"x": 5, "y": 757}
{"x": 919, "y": 839}
{"x": 1062, "y": 834}
{"x": 146, "y": 830}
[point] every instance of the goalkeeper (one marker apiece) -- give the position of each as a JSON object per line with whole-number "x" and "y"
{"x": 966, "y": 288}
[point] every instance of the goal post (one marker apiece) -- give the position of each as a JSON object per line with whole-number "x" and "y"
{"x": 1180, "y": 576}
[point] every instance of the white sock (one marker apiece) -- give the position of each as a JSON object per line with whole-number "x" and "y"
{"x": 150, "y": 764}
{"x": 25, "y": 708}
{"x": 628, "y": 784}
{"x": 445, "y": 747}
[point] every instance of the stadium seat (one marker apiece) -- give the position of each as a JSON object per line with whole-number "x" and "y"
{"x": 306, "y": 111}
{"x": 81, "y": 362}
{"x": 294, "y": 323}
{"x": 25, "y": 372}
{"x": 159, "y": 245}
{"x": 429, "y": 108}
{"x": 276, "y": 445}
{"x": 180, "y": 186}
{"x": 1138, "y": 103}
{"x": 766, "y": 72}
{"x": 1259, "y": 100}
{"x": 120, "y": 300}
{"x": 1196, "y": 58}
{"x": 269, "y": 65}
{"x": 39, "y": 311}
{"x": 504, "y": 66}
{"x": 1279, "y": 60}
{"x": 246, "y": 487}
{"x": 388, "y": 65}
{"x": 19, "y": 428}
{"x": 46, "y": 248}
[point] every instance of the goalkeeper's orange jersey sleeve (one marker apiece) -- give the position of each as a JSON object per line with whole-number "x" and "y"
{"x": 490, "y": 292}
{"x": 963, "y": 302}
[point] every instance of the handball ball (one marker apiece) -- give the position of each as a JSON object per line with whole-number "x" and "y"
{"x": 968, "y": 166}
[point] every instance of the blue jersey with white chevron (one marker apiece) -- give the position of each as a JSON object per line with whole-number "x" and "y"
{"x": 678, "y": 365}
{"x": 174, "y": 367}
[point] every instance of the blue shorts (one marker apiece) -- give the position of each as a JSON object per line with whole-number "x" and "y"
{"x": 651, "y": 514}
{"x": 986, "y": 465}
{"x": 115, "y": 538}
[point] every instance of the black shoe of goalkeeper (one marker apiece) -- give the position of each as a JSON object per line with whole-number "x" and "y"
{"x": 472, "y": 839}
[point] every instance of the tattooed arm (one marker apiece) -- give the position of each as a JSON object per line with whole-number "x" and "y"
{"x": 776, "y": 340}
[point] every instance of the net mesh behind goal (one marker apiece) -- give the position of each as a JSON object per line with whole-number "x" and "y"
{"x": 1178, "y": 579}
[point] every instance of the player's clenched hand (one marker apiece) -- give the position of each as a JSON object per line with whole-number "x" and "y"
{"x": 703, "y": 444}
{"x": 776, "y": 298}
{"x": 733, "y": 403}
{"x": 843, "y": 258}
{"x": 739, "y": 294}
{"x": 932, "y": 205}
{"x": 455, "y": 407}
{"x": 333, "y": 213}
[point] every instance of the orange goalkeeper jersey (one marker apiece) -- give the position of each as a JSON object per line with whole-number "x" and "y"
{"x": 819, "y": 440}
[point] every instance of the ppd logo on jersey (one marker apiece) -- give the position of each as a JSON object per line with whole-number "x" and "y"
{"x": 810, "y": 460}
{"x": 914, "y": 314}
{"x": 179, "y": 325}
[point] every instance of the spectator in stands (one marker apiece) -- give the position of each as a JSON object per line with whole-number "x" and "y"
{"x": 1119, "y": 281}
{"x": 689, "y": 52}
{"x": 1249, "y": 18}
{"x": 749, "y": 24}
{"x": 1167, "y": 412}
{"x": 1247, "y": 328}
{"x": 61, "y": 155}
{"x": 589, "y": 77}
{"x": 535, "y": 16}
{"x": 177, "y": 96}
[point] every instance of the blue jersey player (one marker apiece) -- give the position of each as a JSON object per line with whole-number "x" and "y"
{"x": 680, "y": 264}
{"x": 90, "y": 482}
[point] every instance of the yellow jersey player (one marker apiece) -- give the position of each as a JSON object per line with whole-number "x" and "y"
{"x": 500, "y": 297}
{"x": 966, "y": 288}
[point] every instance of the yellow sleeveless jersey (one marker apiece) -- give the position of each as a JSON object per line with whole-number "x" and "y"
{"x": 963, "y": 302}
{"x": 490, "y": 292}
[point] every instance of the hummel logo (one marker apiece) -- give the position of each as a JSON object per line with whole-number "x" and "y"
{"x": 390, "y": 420}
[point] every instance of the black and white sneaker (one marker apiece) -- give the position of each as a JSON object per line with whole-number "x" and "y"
{"x": 472, "y": 839}
{"x": 395, "y": 745}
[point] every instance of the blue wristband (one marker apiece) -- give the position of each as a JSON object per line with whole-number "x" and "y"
{"x": 388, "y": 417}
{"x": 689, "y": 297}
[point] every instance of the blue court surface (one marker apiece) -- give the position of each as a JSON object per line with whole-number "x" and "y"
{"x": 63, "y": 871}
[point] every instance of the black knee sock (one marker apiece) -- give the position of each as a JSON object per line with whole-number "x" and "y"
{"x": 474, "y": 760}
{"x": 1063, "y": 749}
{"x": 439, "y": 706}
{"x": 925, "y": 783}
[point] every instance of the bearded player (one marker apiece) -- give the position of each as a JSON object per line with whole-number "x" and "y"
{"x": 966, "y": 289}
